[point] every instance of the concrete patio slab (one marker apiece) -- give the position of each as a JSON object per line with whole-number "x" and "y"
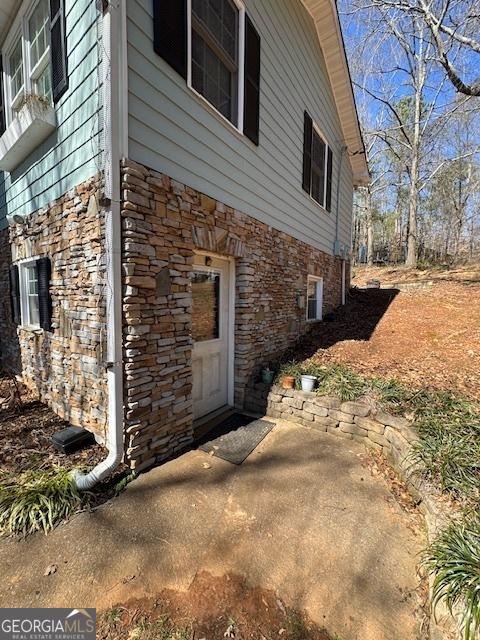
{"x": 301, "y": 516}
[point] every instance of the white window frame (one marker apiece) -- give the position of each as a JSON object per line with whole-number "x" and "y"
{"x": 18, "y": 29}
{"x": 319, "y": 294}
{"x": 319, "y": 132}
{"x": 24, "y": 294}
{"x": 239, "y": 127}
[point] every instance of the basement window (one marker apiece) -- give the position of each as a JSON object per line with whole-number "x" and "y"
{"x": 314, "y": 298}
{"x": 29, "y": 298}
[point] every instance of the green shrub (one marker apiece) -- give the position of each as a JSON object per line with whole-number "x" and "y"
{"x": 36, "y": 500}
{"x": 454, "y": 561}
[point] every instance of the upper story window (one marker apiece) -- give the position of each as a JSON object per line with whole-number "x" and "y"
{"x": 34, "y": 57}
{"x": 39, "y": 39}
{"x": 26, "y": 61}
{"x": 214, "y": 58}
{"x": 317, "y": 165}
{"x": 214, "y": 46}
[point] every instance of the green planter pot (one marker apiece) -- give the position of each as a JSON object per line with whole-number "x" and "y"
{"x": 267, "y": 376}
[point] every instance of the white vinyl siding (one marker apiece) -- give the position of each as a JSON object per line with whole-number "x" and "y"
{"x": 172, "y": 130}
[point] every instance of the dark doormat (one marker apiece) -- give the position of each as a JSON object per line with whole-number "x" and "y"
{"x": 236, "y": 437}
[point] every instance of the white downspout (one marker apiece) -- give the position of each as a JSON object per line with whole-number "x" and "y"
{"x": 336, "y": 243}
{"x": 111, "y": 56}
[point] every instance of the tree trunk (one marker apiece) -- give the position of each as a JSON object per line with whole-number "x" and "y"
{"x": 370, "y": 247}
{"x": 411, "y": 260}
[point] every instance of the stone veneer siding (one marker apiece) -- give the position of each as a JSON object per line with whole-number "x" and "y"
{"x": 9, "y": 345}
{"x": 66, "y": 366}
{"x": 164, "y": 222}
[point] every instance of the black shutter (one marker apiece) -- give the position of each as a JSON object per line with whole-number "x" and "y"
{"x": 3, "y": 122}
{"x": 58, "y": 49}
{"x": 170, "y": 33}
{"x": 15, "y": 294}
{"x": 307, "y": 153}
{"x": 44, "y": 299}
{"x": 328, "y": 198}
{"x": 251, "y": 108}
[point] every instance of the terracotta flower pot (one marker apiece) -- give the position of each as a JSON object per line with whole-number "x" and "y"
{"x": 288, "y": 382}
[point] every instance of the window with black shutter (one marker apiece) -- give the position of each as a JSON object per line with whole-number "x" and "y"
{"x": 58, "y": 49}
{"x": 218, "y": 69}
{"x": 30, "y": 293}
{"x": 317, "y": 165}
{"x": 28, "y": 60}
{"x": 15, "y": 294}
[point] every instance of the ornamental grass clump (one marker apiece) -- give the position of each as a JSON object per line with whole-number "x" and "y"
{"x": 448, "y": 450}
{"x": 454, "y": 561}
{"x": 36, "y": 500}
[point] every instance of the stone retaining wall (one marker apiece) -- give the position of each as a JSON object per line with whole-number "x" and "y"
{"x": 390, "y": 434}
{"x": 66, "y": 366}
{"x": 164, "y": 223}
{"x": 350, "y": 420}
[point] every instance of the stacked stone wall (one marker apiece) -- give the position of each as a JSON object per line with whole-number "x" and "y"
{"x": 66, "y": 366}
{"x": 164, "y": 223}
{"x": 349, "y": 420}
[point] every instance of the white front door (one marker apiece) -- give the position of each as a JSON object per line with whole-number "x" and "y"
{"x": 210, "y": 331}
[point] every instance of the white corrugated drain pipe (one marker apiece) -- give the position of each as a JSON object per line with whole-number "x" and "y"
{"x": 113, "y": 295}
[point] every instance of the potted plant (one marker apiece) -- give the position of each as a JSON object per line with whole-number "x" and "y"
{"x": 308, "y": 382}
{"x": 267, "y": 375}
{"x": 288, "y": 376}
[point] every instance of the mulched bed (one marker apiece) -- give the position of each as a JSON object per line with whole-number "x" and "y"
{"x": 25, "y": 442}
{"x": 213, "y": 608}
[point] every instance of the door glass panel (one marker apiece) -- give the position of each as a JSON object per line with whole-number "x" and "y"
{"x": 205, "y": 306}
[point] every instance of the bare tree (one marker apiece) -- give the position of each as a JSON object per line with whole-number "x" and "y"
{"x": 396, "y": 76}
{"x": 453, "y": 26}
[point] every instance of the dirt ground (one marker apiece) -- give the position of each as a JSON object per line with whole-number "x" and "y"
{"x": 401, "y": 275}
{"x": 25, "y": 436}
{"x": 213, "y": 608}
{"x": 25, "y": 444}
{"x": 427, "y": 335}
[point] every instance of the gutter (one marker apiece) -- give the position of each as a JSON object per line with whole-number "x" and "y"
{"x": 336, "y": 246}
{"x": 111, "y": 57}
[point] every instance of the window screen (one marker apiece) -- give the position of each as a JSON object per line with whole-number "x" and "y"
{"x": 215, "y": 54}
